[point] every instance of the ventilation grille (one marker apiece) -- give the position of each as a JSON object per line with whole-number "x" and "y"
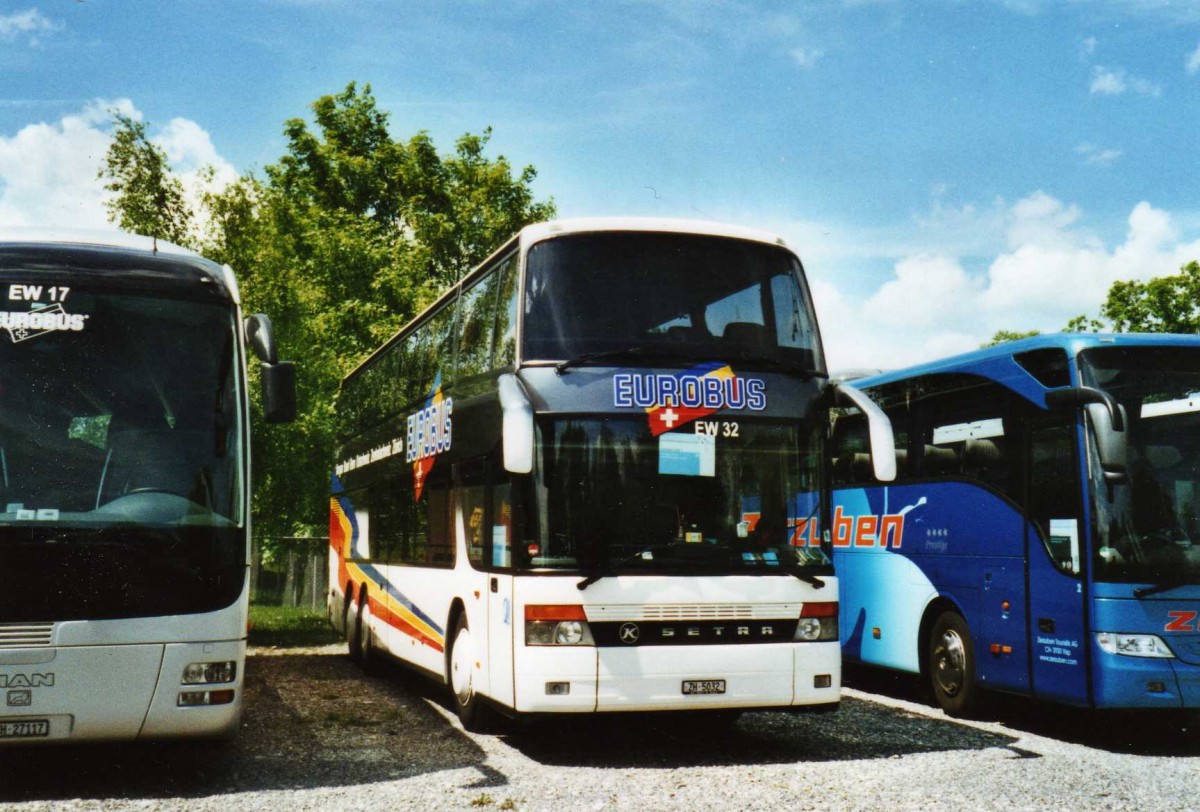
{"x": 25, "y": 635}
{"x": 693, "y": 611}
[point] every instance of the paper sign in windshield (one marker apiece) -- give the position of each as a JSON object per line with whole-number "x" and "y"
{"x": 687, "y": 454}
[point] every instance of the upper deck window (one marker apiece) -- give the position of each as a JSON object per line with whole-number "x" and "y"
{"x": 685, "y": 294}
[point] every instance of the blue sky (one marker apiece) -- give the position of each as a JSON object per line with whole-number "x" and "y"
{"x": 945, "y": 168}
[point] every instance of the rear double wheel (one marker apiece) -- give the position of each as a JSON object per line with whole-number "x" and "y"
{"x": 952, "y": 665}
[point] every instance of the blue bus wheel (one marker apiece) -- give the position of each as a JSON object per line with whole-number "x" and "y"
{"x": 952, "y": 665}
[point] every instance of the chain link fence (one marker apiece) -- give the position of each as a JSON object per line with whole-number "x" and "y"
{"x": 289, "y": 571}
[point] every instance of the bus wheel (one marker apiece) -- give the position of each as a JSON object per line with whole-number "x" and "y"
{"x": 461, "y": 666}
{"x": 354, "y": 632}
{"x": 952, "y": 665}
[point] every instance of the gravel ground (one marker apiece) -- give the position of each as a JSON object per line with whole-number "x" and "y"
{"x": 320, "y": 735}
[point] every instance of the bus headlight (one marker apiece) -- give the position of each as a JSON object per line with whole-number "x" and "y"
{"x": 818, "y": 623}
{"x": 557, "y": 626}
{"x": 205, "y": 673}
{"x": 1133, "y": 645}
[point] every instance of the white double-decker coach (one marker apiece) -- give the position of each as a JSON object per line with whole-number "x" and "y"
{"x": 588, "y": 478}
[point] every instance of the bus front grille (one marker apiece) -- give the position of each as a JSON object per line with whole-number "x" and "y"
{"x": 691, "y": 611}
{"x": 26, "y": 635}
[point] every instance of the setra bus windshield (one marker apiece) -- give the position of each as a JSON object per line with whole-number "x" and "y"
{"x": 736, "y": 500}
{"x": 121, "y": 457}
{"x": 608, "y": 293}
{"x": 1147, "y": 529}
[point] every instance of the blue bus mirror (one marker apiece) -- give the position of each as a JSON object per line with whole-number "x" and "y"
{"x": 1111, "y": 444}
{"x": 879, "y": 429}
{"x": 1108, "y": 420}
{"x": 517, "y": 425}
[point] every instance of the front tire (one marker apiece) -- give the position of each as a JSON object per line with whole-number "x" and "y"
{"x": 460, "y": 664}
{"x": 952, "y": 665}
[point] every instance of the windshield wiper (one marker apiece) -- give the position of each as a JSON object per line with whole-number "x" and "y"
{"x": 611, "y": 569}
{"x": 638, "y": 353}
{"x": 1165, "y": 586}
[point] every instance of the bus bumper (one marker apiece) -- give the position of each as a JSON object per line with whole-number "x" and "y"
{"x": 651, "y": 678}
{"x": 119, "y": 692}
{"x": 1144, "y": 682}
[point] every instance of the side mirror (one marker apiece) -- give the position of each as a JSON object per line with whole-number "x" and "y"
{"x": 279, "y": 392}
{"x": 1107, "y": 418}
{"x": 517, "y": 425}
{"x": 260, "y": 337}
{"x": 278, "y": 377}
{"x": 879, "y": 428}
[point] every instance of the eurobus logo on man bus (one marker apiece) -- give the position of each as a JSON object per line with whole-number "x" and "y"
{"x": 851, "y": 531}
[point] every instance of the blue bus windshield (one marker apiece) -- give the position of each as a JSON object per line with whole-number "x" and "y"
{"x": 1147, "y": 529}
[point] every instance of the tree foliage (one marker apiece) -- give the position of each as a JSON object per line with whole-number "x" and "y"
{"x": 1165, "y": 304}
{"x": 1003, "y": 336}
{"x": 147, "y": 198}
{"x": 349, "y": 235}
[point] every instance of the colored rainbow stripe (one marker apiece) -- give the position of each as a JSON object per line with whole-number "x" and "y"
{"x": 387, "y": 603}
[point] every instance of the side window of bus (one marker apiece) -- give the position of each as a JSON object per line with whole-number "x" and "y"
{"x": 473, "y": 499}
{"x": 966, "y": 432}
{"x": 1054, "y": 493}
{"x": 502, "y": 525}
{"x": 849, "y": 448}
{"x": 475, "y": 337}
{"x": 505, "y": 343}
{"x": 850, "y": 443}
{"x": 438, "y": 547}
{"x": 360, "y": 541}
{"x": 442, "y": 333}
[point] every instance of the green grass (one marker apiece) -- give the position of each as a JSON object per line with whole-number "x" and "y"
{"x": 289, "y": 627}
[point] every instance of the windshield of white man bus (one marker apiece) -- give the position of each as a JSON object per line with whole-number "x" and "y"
{"x": 1147, "y": 528}
{"x": 741, "y": 499}
{"x": 121, "y": 454}
{"x": 694, "y": 295}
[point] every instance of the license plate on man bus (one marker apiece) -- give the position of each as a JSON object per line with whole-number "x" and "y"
{"x": 29, "y": 729}
{"x": 704, "y": 686}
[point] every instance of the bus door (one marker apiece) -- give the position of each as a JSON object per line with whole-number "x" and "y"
{"x": 1055, "y": 553}
{"x": 501, "y": 612}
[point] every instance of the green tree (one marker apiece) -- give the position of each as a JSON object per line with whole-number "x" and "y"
{"x": 147, "y": 198}
{"x": 1003, "y": 336}
{"x": 1166, "y": 304}
{"x": 345, "y": 238}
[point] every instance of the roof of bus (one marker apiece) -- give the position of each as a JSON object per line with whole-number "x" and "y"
{"x": 667, "y": 225}
{"x": 89, "y": 238}
{"x": 97, "y": 247}
{"x": 1072, "y": 343}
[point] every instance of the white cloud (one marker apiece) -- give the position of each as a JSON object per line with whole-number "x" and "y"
{"x": 48, "y": 172}
{"x": 1193, "y": 62}
{"x": 806, "y": 57}
{"x": 924, "y": 293}
{"x": 1098, "y": 156}
{"x": 28, "y": 24}
{"x": 1116, "y": 82}
{"x": 1053, "y": 268}
{"x": 1087, "y": 48}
